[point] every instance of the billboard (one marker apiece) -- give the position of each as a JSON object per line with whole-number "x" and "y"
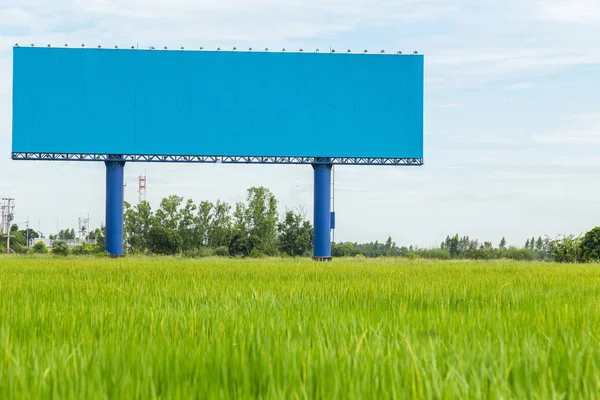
{"x": 216, "y": 103}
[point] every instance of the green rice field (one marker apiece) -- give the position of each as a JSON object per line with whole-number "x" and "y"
{"x": 144, "y": 328}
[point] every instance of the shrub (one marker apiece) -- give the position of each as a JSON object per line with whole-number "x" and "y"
{"x": 434, "y": 254}
{"x": 199, "y": 252}
{"x": 164, "y": 241}
{"x": 60, "y": 249}
{"x": 412, "y": 256}
{"x": 96, "y": 249}
{"x": 87, "y": 250}
{"x": 222, "y": 251}
{"x": 254, "y": 253}
{"x": 39, "y": 248}
{"x": 78, "y": 250}
{"x": 566, "y": 250}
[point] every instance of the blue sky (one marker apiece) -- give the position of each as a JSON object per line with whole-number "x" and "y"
{"x": 512, "y": 112}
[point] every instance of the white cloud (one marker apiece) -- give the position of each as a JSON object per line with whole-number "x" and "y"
{"x": 578, "y": 11}
{"x": 584, "y": 131}
{"x": 524, "y": 86}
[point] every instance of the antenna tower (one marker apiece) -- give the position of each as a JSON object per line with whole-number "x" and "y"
{"x": 84, "y": 228}
{"x": 142, "y": 188}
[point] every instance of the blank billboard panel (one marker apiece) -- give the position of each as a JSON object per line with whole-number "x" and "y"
{"x": 200, "y": 103}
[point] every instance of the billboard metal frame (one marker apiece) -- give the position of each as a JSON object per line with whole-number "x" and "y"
{"x": 217, "y": 159}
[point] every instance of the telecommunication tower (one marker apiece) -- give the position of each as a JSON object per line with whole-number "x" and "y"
{"x": 84, "y": 228}
{"x": 142, "y": 188}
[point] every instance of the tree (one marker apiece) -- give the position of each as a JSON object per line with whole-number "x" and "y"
{"x": 204, "y": 226}
{"x": 527, "y": 244}
{"x": 66, "y": 234}
{"x": 187, "y": 228}
{"x": 40, "y": 248}
{"x": 137, "y": 222}
{"x": 261, "y": 219}
{"x": 295, "y": 234}
{"x": 590, "y": 245}
{"x": 344, "y": 249}
{"x": 389, "y": 245}
{"x": 99, "y": 235}
{"x": 168, "y": 213}
{"x": 164, "y": 241}
{"x": 566, "y": 250}
{"x": 30, "y": 233}
{"x": 539, "y": 245}
{"x": 532, "y": 243}
{"x": 219, "y": 227}
{"x": 240, "y": 241}
{"x": 60, "y": 249}
{"x": 502, "y": 244}
{"x": 18, "y": 242}
{"x": 453, "y": 247}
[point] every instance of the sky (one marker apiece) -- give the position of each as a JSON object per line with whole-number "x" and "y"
{"x": 512, "y": 112}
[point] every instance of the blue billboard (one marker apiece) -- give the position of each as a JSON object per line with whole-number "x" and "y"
{"x": 70, "y": 101}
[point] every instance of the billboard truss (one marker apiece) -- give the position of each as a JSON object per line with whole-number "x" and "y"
{"x": 217, "y": 159}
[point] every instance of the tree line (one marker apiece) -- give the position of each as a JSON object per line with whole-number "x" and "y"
{"x": 565, "y": 249}
{"x": 249, "y": 229}
{"x": 254, "y": 228}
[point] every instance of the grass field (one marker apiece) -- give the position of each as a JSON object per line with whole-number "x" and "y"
{"x": 170, "y": 328}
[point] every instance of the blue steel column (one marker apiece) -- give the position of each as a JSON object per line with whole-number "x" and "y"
{"x": 322, "y": 216}
{"x": 114, "y": 207}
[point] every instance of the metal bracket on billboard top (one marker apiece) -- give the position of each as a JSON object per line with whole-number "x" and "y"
{"x": 217, "y": 159}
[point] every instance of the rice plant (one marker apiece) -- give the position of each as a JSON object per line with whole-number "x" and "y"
{"x": 143, "y": 328}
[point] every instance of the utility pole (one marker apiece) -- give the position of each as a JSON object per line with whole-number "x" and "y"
{"x": 27, "y": 232}
{"x": 7, "y": 208}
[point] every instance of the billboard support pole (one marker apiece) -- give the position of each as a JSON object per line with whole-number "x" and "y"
{"x": 114, "y": 207}
{"x": 322, "y": 212}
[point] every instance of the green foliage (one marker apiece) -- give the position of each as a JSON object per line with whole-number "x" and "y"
{"x": 221, "y": 251}
{"x": 566, "y": 250}
{"x": 32, "y": 233}
{"x": 137, "y": 222}
{"x": 590, "y": 245}
{"x": 255, "y": 253}
{"x": 66, "y": 234}
{"x": 18, "y": 242}
{"x": 412, "y": 256}
{"x": 342, "y": 249}
{"x": 88, "y": 250}
{"x": 295, "y": 234}
{"x": 168, "y": 214}
{"x": 164, "y": 241}
{"x": 260, "y": 217}
{"x": 502, "y": 245}
{"x": 99, "y": 235}
{"x": 39, "y": 248}
{"x": 60, "y": 249}
{"x": 525, "y": 254}
{"x": 200, "y": 252}
{"x": 432, "y": 254}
